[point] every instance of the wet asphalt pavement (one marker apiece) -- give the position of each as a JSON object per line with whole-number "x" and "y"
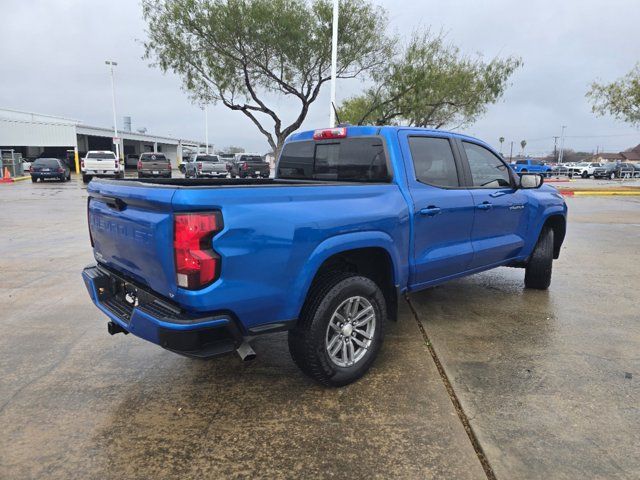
{"x": 548, "y": 381}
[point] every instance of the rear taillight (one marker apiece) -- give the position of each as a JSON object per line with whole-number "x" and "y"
{"x": 139, "y": 165}
{"x": 60, "y": 169}
{"x": 245, "y": 166}
{"x": 199, "y": 165}
{"x": 82, "y": 163}
{"x": 197, "y": 265}
{"x": 329, "y": 133}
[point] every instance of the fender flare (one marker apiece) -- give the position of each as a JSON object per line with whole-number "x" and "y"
{"x": 338, "y": 244}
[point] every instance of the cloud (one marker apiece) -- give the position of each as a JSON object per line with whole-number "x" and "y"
{"x": 56, "y": 52}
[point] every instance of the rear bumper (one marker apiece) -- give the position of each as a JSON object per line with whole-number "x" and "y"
{"x": 154, "y": 173}
{"x": 42, "y": 175}
{"x": 152, "y": 318}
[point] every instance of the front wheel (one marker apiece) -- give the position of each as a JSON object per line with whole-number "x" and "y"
{"x": 538, "y": 271}
{"x": 585, "y": 175}
{"x": 340, "y": 330}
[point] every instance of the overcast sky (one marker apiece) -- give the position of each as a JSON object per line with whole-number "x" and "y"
{"x": 52, "y": 56}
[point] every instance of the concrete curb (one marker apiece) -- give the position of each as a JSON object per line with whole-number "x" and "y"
{"x": 599, "y": 193}
{"x": 12, "y": 180}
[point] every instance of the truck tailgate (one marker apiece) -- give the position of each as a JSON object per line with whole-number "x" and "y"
{"x": 132, "y": 232}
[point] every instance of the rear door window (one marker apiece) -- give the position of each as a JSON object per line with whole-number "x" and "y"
{"x": 349, "y": 159}
{"x": 433, "y": 161}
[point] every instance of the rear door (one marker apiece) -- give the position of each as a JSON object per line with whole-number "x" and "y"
{"x": 442, "y": 207}
{"x": 500, "y": 221}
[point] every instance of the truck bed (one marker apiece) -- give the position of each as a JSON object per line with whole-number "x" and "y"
{"x": 229, "y": 182}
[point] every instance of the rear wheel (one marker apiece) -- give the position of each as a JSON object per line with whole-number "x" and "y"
{"x": 585, "y": 174}
{"x": 86, "y": 178}
{"x": 538, "y": 271}
{"x": 340, "y": 330}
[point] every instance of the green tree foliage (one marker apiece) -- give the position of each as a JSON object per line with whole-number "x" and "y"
{"x": 247, "y": 54}
{"x": 430, "y": 84}
{"x": 620, "y": 98}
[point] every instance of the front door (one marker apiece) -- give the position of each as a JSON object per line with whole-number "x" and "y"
{"x": 442, "y": 209}
{"x": 500, "y": 222}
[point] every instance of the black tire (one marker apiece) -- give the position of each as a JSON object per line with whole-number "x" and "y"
{"x": 69, "y": 177}
{"x": 585, "y": 174}
{"x": 524, "y": 170}
{"x": 34, "y": 179}
{"x": 538, "y": 271}
{"x": 233, "y": 176}
{"x": 86, "y": 178}
{"x": 307, "y": 339}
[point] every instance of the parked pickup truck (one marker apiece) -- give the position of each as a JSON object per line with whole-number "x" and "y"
{"x": 248, "y": 165}
{"x": 151, "y": 164}
{"x": 355, "y": 218}
{"x": 532, "y": 166}
{"x": 100, "y": 163}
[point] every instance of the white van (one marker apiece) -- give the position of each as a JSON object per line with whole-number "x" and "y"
{"x": 101, "y": 163}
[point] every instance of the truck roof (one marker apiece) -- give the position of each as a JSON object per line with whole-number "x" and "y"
{"x": 369, "y": 130}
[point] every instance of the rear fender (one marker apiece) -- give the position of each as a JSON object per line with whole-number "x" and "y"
{"x": 339, "y": 244}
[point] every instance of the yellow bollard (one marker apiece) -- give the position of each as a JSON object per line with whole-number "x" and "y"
{"x": 75, "y": 155}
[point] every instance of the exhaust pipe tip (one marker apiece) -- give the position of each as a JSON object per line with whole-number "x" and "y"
{"x": 246, "y": 352}
{"x": 113, "y": 328}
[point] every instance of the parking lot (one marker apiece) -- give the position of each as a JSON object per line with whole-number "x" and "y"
{"x": 545, "y": 382}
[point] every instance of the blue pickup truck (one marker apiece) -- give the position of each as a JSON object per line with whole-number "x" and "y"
{"x": 532, "y": 166}
{"x": 355, "y": 218}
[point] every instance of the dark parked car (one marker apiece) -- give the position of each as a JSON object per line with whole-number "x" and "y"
{"x": 247, "y": 165}
{"x": 154, "y": 165}
{"x": 615, "y": 170}
{"x": 44, "y": 168}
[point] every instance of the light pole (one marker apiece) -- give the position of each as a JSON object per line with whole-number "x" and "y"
{"x": 334, "y": 64}
{"x": 561, "y": 156}
{"x": 116, "y": 140}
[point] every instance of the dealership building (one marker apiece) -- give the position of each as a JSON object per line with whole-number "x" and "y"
{"x": 32, "y": 135}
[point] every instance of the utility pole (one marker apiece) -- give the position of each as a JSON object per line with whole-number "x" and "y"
{"x": 555, "y": 148}
{"x": 334, "y": 65}
{"x": 561, "y": 144}
{"x": 116, "y": 140}
{"x": 511, "y": 153}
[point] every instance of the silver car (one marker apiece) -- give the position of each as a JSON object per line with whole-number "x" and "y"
{"x": 203, "y": 165}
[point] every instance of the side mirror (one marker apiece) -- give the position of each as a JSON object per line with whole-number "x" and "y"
{"x": 531, "y": 180}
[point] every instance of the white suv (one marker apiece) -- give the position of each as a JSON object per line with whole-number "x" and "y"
{"x": 101, "y": 163}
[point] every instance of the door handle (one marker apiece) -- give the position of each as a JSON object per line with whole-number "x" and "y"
{"x": 485, "y": 206}
{"x": 430, "y": 211}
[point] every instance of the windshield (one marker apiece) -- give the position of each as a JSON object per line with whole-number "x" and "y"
{"x": 46, "y": 162}
{"x": 102, "y": 155}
